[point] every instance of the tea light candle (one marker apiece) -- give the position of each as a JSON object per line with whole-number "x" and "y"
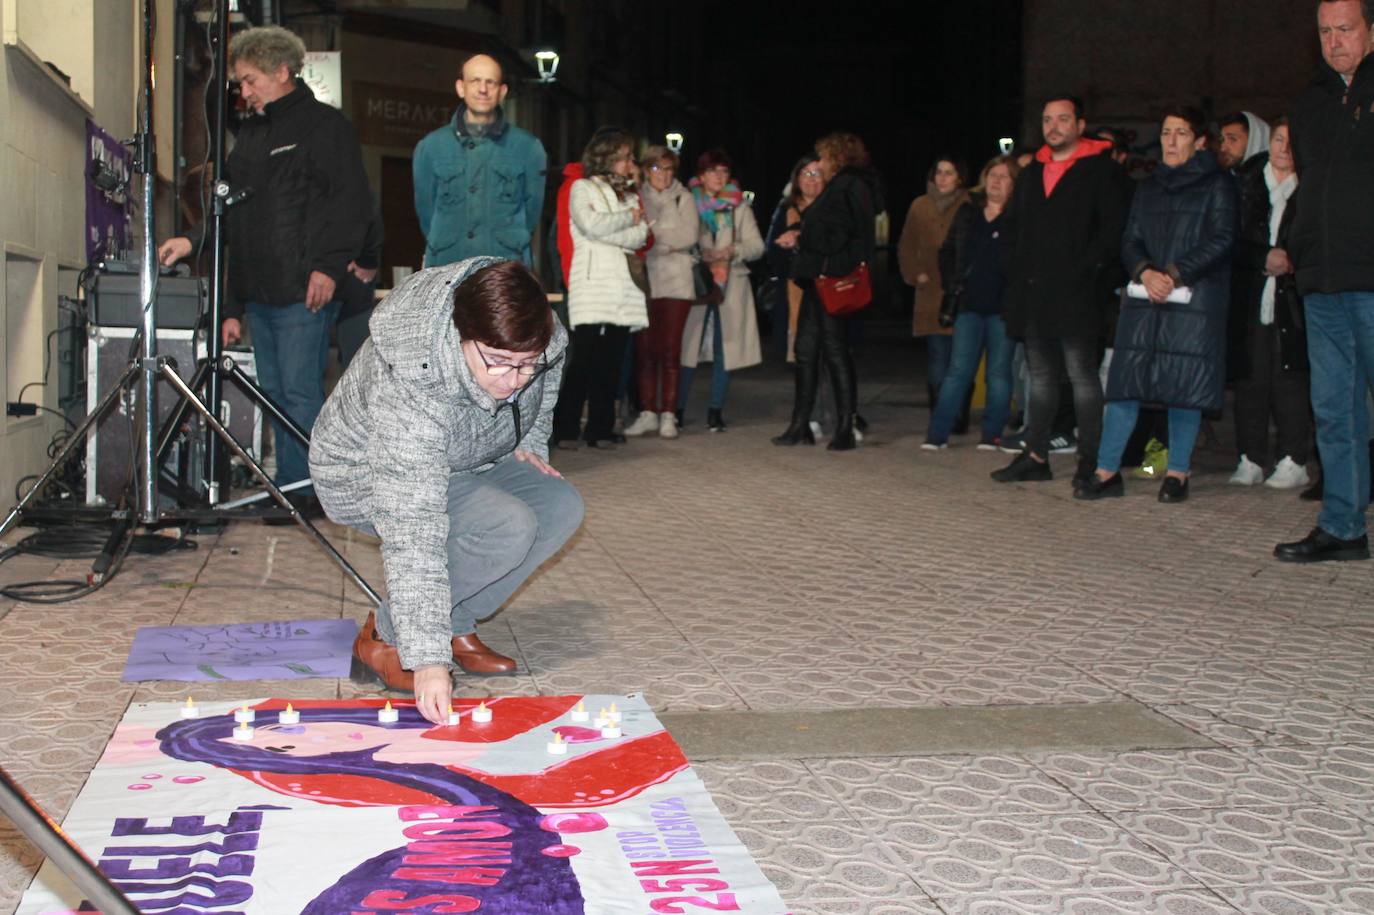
{"x": 613, "y": 716}
{"x": 558, "y": 746}
{"x": 481, "y": 714}
{"x": 189, "y": 710}
{"x": 603, "y": 718}
{"x": 290, "y": 716}
{"x": 453, "y": 717}
{"x": 580, "y": 713}
{"x": 243, "y": 732}
{"x": 244, "y": 715}
{"x": 388, "y": 715}
{"x": 610, "y": 731}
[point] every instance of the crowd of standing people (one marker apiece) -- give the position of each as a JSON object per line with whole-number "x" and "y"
{"x": 1121, "y": 308}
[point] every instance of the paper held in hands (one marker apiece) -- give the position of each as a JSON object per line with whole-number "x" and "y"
{"x": 1181, "y": 295}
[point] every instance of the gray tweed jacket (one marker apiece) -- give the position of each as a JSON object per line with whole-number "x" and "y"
{"x": 406, "y": 415}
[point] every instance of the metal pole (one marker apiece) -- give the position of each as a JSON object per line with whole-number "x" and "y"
{"x": 147, "y": 166}
{"x": 172, "y": 378}
{"x": 218, "y": 83}
{"x": 49, "y": 838}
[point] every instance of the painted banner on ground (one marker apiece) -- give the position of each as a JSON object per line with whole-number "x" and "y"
{"x": 343, "y": 814}
{"x": 284, "y": 650}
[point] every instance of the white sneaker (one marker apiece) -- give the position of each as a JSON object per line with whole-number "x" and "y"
{"x": 933, "y": 446}
{"x": 816, "y": 429}
{"x": 644, "y": 423}
{"x": 667, "y": 425}
{"x": 1288, "y": 474}
{"x": 1248, "y": 473}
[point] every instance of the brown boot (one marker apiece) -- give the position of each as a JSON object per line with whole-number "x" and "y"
{"x": 383, "y": 661}
{"x": 476, "y": 658}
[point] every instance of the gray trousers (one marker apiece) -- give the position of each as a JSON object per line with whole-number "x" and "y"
{"x": 502, "y": 525}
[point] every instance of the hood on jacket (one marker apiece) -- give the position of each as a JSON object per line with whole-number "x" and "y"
{"x": 413, "y": 326}
{"x": 1259, "y": 137}
{"x": 1057, "y": 168}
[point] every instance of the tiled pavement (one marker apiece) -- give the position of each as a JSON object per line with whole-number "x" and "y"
{"x": 720, "y": 572}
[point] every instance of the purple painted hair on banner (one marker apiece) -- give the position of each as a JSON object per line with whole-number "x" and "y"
{"x": 532, "y": 882}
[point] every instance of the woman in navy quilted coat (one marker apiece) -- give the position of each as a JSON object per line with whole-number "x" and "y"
{"x": 1171, "y": 343}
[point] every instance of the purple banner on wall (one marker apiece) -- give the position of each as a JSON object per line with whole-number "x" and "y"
{"x": 108, "y": 209}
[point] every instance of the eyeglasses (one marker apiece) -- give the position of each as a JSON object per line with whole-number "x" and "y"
{"x": 811, "y": 173}
{"x": 660, "y": 168}
{"x": 497, "y": 369}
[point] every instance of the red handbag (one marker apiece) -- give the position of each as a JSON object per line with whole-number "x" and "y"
{"x": 842, "y": 295}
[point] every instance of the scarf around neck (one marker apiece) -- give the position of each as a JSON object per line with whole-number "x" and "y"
{"x": 944, "y": 201}
{"x": 716, "y": 210}
{"x": 1279, "y": 194}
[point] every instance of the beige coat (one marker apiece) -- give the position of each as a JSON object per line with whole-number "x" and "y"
{"x": 675, "y": 224}
{"x": 739, "y": 326}
{"x": 918, "y": 252}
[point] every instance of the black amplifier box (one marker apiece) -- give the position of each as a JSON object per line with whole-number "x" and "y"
{"x": 116, "y": 301}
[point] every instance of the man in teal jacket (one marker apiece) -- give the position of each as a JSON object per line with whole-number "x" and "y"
{"x": 479, "y": 181}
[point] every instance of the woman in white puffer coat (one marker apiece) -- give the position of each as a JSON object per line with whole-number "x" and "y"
{"x": 605, "y": 303}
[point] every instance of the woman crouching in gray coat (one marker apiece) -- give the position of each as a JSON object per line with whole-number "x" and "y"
{"x": 436, "y": 440}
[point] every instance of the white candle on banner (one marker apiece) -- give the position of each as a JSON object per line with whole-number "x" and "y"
{"x": 189, "y": 710}
{"x": 289, "y": 716}
{"x": 453, "y": 717}
{"x": 579, "y": 712}
{"x": 244, "y": 715}
{"x": 388, "y": 715}
{"x": 613, "y": 716}
{"x": 481, "y": 714}
{"x": 610, "y": 731}
{"x": 243, "y": 732}
{"x": 558, "y": 746}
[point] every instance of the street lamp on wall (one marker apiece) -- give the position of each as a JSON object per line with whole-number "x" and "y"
{"x": 547, "y": 62}
{"x": 674, "y": 142}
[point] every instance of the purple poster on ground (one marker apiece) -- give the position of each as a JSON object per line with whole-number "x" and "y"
{"x": 107, "y": 208}
{"x": 287, "y": 650}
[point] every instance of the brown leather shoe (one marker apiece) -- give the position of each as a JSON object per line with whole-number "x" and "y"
{"x": 476, "y": 658}
{"x": 379, "y": 659}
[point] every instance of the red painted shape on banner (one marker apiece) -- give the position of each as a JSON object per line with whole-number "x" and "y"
{"x": 340, "y": 790}
{"x": 621, "y": 770}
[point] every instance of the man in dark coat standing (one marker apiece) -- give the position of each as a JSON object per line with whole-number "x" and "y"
{"x": 1061, "y": 256}
{"x": 1332, "y": 247}
{"x": 293, "y": 238}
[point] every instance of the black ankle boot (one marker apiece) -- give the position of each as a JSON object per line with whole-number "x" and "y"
{"x": 843, "y": 439}
{"x": 714, "y": 421}
{"x": 796, "y": 434}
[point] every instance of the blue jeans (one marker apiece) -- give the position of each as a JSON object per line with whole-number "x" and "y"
{"x": 720, "y": 378}
{"x": 1340, "y": 346}
{"x": 1119, "y": 423}
{"x": 972, "y": 334}
{"x": 939, "y": 348}
{"x": 502, "y": 526}
{"x": 291, "y": 349}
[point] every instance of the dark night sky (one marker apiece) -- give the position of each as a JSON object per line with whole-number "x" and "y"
{"x": 913, "y": 80}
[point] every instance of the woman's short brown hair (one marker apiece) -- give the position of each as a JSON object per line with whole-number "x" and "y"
{"x": 503, "y": 306}
{"x": 1013, "y": 169}
{"x": 657, "y": 155}
{"x": 845, "y": 148}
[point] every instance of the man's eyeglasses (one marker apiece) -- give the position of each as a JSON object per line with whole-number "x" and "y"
{"x": 497, "y": 369}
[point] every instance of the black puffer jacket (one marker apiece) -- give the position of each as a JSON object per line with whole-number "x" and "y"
{"x": 310, "y": 205}
{"x": 1332, "y": 244}
{"x": 837, "y": 229}
{"x": 1183, "y": 222}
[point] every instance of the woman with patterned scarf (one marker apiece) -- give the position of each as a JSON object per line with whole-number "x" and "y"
{"x": 727, "y": 333}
